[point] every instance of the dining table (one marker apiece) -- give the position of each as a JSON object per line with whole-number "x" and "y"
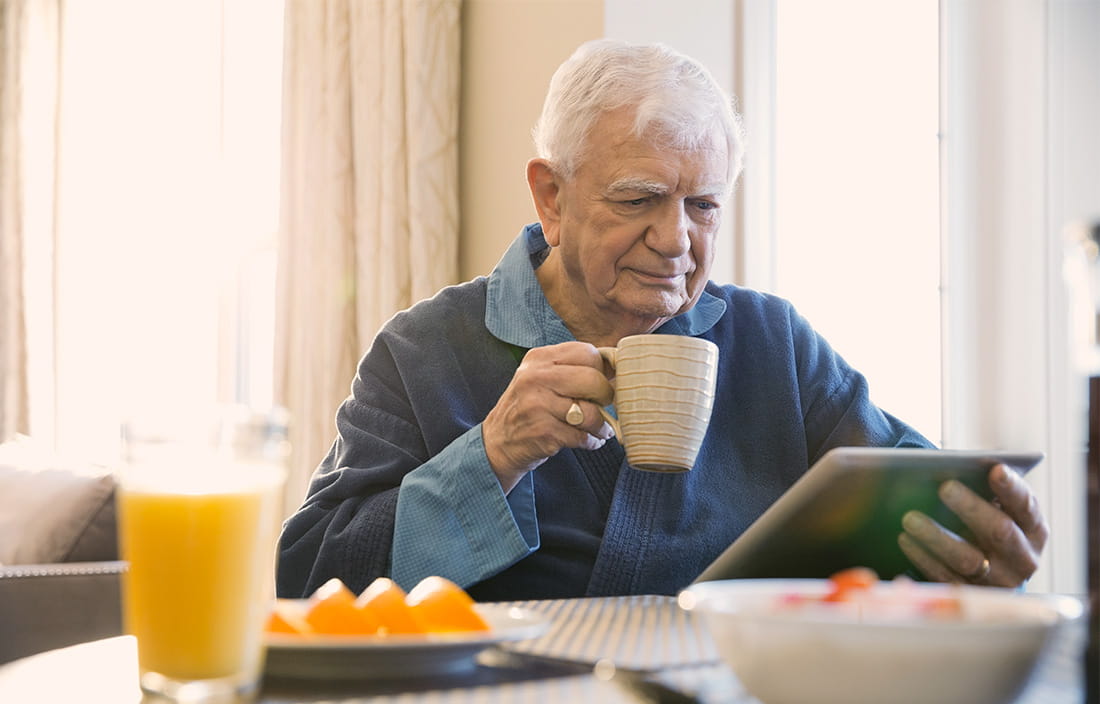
{"x": 629, "y": 649}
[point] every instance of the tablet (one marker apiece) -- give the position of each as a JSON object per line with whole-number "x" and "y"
{"x": 846, "y": 510}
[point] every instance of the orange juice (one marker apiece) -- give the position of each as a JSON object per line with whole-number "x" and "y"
{"x": 199, "y": 584}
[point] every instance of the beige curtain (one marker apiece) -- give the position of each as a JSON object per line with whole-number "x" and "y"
{"x": 29, "y": 80}
{"x": 369, "y": 196}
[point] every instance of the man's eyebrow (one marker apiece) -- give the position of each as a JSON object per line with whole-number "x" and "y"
{"x": 637, "y": 185}
{"x": 720, "y": 190}
{"x": 642, "y": 185}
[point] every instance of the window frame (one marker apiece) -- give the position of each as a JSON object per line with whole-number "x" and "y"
{"x": 1017, "y": 165}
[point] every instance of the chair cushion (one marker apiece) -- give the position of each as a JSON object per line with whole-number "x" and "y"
{"x": 51, "y": 606}
{"x": 54, "y": 509}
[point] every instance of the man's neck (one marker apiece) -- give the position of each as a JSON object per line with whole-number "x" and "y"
{"x": 584, "y": 320}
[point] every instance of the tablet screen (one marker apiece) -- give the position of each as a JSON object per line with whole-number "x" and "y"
{"x": 846, "y": 511}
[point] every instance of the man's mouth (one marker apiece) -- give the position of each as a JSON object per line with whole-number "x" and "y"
{"x": 657, "y": 278}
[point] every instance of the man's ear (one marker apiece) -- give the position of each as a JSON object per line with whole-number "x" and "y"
{"x": 544, "y": 191}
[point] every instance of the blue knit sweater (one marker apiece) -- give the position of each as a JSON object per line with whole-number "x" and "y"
{"x": 406, "y": 489}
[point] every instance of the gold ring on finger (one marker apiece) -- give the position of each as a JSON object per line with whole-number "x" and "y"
{"x": 982, "y": 572}
{"x": 574, "y": 416}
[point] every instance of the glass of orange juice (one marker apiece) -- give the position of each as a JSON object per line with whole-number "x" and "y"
{"x": 198, "y": 521}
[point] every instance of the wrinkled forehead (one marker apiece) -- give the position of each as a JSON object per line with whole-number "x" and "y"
{"x": 709, "y": 143}
{"x": 618, "y": 135}
{"x": 696, "y": 169}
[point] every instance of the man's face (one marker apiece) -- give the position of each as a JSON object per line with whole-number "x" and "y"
{"x": 637, "y": 226}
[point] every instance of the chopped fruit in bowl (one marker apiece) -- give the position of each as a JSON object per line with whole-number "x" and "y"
{"x": 858, "y": 640}
{"x": 849, "y": 581}
{"x": 858, "y": 593}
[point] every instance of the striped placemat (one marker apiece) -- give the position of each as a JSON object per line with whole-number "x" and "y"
{"x": 643, "y": 632}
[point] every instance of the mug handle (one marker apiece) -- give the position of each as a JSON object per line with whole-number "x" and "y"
{"x": 610, "y": 355}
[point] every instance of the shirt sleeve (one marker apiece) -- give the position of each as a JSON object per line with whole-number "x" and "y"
{"x": 406, "y": 490}
{"x": 454, "y": 520}
{"x": 448, "y": 517}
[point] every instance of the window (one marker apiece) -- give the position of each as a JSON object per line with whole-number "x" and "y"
{"x": 167, "y": 204}
{"x": 857, "y": 246}
{"x": 844, "y": 216}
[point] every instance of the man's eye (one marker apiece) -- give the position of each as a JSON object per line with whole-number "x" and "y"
{"x": 636, "y": 201}
{"x": 705, "y": 205}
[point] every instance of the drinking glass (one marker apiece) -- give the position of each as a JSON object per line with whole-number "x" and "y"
{"x": 198, "y": 514}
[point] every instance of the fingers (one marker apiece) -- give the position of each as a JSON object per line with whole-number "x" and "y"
{"x": 925, "y": 562}
{"x": 1011, "y": 547}
{"x": 574, "y": 416}
{"x": 940, "y": 554}
{"x": 1019, "y": 503}
{"x": 586, "y": 415}
{"x": 535, "y": 416}
{"x": 1009, "y": 535}
{"x": 572, "y": 370}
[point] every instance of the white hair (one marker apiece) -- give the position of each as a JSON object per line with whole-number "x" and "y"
{"x": 673, "y": 97}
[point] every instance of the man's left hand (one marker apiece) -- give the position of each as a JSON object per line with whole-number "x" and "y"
{"x": 1009, "y": 534}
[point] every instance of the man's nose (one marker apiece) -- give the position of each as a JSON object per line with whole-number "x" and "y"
{"x": 668, "y": 234}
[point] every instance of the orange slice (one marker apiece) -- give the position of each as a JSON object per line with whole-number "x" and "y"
{"x": 384, "y": 599}
{"x": 332, "y": 610}
{"x": 285, "y": 619}
{"x": 439, "y": 604}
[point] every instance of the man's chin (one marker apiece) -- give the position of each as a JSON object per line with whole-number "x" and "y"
{"x": 662, "y": 308}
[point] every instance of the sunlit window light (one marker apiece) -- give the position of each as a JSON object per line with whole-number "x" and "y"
{"x": 167, "y": 206}
{"x": 857, "y": 214}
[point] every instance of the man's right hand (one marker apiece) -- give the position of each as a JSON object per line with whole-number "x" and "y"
{"x": 528, "y": 426}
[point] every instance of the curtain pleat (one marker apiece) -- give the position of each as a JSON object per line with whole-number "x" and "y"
{"x": 29, "y": 35}
{"x": 13, "y": 388}
{"x": 369, "y": 220}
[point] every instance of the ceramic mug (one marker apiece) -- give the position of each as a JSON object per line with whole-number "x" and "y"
{"x": 664, "y": 392}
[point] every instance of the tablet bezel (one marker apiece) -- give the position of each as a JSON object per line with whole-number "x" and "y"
{"x": 846, "y": 511}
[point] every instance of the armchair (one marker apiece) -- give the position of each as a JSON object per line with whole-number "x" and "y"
{"x": 60, "y": 576}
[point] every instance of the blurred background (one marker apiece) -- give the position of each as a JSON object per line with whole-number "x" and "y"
{"x": 221, "y": 201}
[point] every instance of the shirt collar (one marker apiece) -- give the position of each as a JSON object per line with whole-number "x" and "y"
{"x": 517, "y": 312}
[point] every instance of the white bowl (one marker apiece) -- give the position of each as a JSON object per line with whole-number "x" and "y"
{"x": 820, "y": 655}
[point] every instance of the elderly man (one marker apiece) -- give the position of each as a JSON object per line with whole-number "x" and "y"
{"x": 457, "y": 453}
